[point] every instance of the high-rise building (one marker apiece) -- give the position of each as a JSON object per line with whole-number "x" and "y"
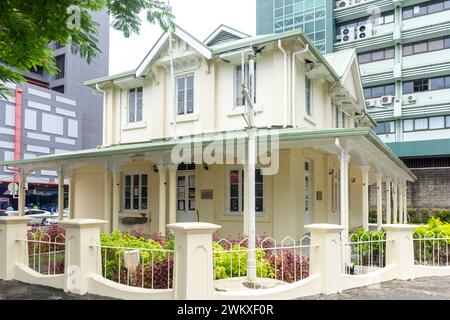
{"x": 315, "y": 17}
{"x": 403, "y": 49}
{"x": 51, "y": 114}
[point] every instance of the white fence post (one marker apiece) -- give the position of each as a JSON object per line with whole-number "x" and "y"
{"x": 81, "y": 258}
{"x": 400, "y": 249}
{"x": 326, "y": 257}
{"x": 193, "y": 267}
{"x": 12, "y": 230}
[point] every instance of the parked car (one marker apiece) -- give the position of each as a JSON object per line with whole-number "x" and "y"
{"x": 42, "y": 217}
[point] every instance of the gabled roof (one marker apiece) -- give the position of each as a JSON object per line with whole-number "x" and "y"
{"x": 182, "y": 34}
{"x": 224, "y": 33}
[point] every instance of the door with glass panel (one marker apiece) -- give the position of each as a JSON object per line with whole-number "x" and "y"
{"x": 308, "y": 192}
{"x": 186, "y": 207}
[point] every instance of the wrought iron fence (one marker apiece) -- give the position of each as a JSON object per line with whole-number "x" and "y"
{"x": 137, "y": 267}
{"x": 276, "y": 264}
{"x": 363, "y": 253}
{"x": 46, "y": 253}
{"x": 431, "y": 248}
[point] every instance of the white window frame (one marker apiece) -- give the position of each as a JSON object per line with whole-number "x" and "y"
{"x": 185, "y": 89}
{"x": 309, "y": 98}
{"x": 241, "y": 191}
{"x": 141, "y": 186}
{"x": 238, "y": 99}
{"x": 136, "y": 106}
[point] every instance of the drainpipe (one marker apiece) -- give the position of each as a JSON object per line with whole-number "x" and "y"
{"x": 105, "y": 114}
{"x": 284, "y": 83}
{"x": 294, "y": 71}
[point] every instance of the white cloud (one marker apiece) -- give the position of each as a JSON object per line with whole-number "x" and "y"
{"x": 198, "y": 17}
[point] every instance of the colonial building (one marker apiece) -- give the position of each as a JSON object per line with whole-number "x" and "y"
{"x": 188, "y": 95}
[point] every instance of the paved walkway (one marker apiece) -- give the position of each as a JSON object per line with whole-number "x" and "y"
{"x": 437, "y": 288}
{"x": 14, "y": 290}
{"x": 419, "y": 289}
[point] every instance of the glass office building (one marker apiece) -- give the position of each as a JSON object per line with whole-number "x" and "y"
{"x": 313, "y": 16}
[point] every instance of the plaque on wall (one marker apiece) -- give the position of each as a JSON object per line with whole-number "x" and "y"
{"x": 207, "y": 194}
{"x": 319, "y": 195}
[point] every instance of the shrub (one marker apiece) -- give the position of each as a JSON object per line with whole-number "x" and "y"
{"x": 364, "y": 252}
{"x": 155, "y": 265}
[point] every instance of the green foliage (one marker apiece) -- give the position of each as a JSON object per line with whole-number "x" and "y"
{"x": 365, "y": 252}
{"x": 124, "y": 242}
{"x": 234, "y": 263}
{"x": 28, "y": 27}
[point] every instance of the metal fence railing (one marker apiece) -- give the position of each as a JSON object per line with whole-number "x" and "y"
{"x": 431, "y": 249}
{"x": 46, "y": 252}
{"x": 137, "y": 267}
{"x": 363, "y": 253}
{"x": 276, "y": 263}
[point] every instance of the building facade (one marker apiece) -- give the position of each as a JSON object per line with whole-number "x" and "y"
{"x": 403, "y": 49}
{"x": 171, "y": 145}
{"x": 52, "y": 114}
{"x": 314, "y": 17}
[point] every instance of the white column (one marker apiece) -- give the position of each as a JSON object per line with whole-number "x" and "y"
{"x": 60, "y": 195}
{"x": 365, "y": 196}
{"x": 193, "y": 268}
{"x": 379, "y": 201}
{"x": 400, "y": 203}
{"x": 22, "y": 193}
{"x": 72, "y": 196}
{"x": 107, "y": 199}
{"x": 12, "y": 251}
{"x": 326, "y": 257}
{"x": 115, "y": 199}
{"x": 405, "y": 203}
{"x": 344, "y": 158}
{"x": 395, "y": 200}
{"x": 388, "y": 201}
{"x": 173, "y": 194}
{"x": 162, "y": 200}
{"x": 83, "y": 261}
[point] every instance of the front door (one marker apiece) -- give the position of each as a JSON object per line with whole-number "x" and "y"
{"x": 186, "y": 207}
{"x": 308, "y": 191}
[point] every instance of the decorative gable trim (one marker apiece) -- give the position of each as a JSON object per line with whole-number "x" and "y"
{"x": 145, "y": 65}
{"x": 222, "y": 30}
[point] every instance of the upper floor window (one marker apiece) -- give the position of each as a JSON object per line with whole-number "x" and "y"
{"x": 185, "y": 94}
{"x": 428, "y": 7}
{"x": 135, "y": 105}
{"x": 60, "y": 62}
{"x": 308, "y": 96}
{"x": 135, "y": 192}
{"x": 384, "y": 18}
{"x": 426, "y": 46}
{"x": 385, "y": 127}
{"x": 377, "y": 55}
{"x": 379, "y": 91}
{"x": 235, "y": 192}
{"x": 239, "y": 99}
{"x": 338, "y": 118}
{"x": 422, "y": 124}
{"x": 422, "y": 85}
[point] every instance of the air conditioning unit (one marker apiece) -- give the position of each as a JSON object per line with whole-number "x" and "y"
{"x": 358, "y": 1}
{"x": 347, "y": 35}
{"x": 411, "y": 99}
{"x": 343, "y": 3}
{"x": 371, "y": 103}
{"x": 386, "y": 100}
{"x": 364, "y": 31}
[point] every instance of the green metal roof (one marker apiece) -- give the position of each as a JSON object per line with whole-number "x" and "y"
{"x": 166, "y": 144}
{"x": 235, "y": 45}
{"x": 410, "y": 149}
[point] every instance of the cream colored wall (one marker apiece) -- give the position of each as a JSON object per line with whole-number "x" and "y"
{"x": 88, "y": 193}
{"x": 214, "y": 108}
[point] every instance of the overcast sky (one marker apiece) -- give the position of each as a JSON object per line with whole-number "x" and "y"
{"x": 198, "y": 17}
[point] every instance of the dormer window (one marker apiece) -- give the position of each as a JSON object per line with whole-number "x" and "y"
{"x": 239, "y": 99}
{"x": 135, "y": 105}
{"x": 185, "y": 94}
